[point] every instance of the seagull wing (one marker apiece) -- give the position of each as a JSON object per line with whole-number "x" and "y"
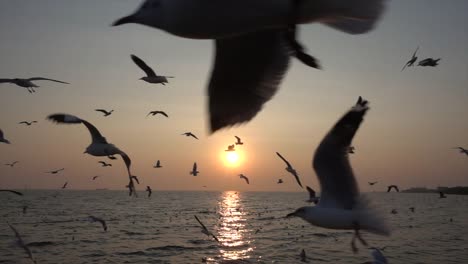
{"x": 192, "y": 135}
{"x": 149, "y": 72}
{"x": 238, "y": 139}
{"x": 285, "y": 161}
{"x": 102, "y": 111}
{"x": 245, "y": 178}
{"x": 127, "y": 160}
{"x": 414, "y": 54}
{"x": 45, "y": 79}
{"x": 331, "y": 163}
{"x": 163, "y": 113}
{"x": 311, "y": 193}
{"x": 71, "y": 119}
{"x": 15, "y": 192}
{"x": 241, "y": 82}
{"x": 200, "y": 222}
{"x": 23, "y": 122}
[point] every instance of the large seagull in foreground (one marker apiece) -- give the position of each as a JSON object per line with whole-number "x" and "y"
{"x": 341, "y": 206}
{"x": 254, "y": 40}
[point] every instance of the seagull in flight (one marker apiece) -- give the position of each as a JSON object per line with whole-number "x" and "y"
{"x": 96, "y": 219}
{"x": 158, "y": 164}
{"x": 312, "y": 197}
{"x": 205, "y": 230}
{"x": 65, "y": 185}
{"x": 242, "y": 176}
{"x": 55, "y": 171}
{"x": 429, "y": 62}
{"x": 190, "y": 134}
{"x": 148, "y": 189}
{"x": 99, "y": 146}
{"x": 11, "y": 164}
{"x": 95, "y": 177}
{"x": 2, "y": 138}
{"x": 104, "y": 164}
{"x": 442, "y": 195}
{"x": 153, "y": 113}
{"x": 239, "y": 141}
{"x": 390, "y": 187}
{"x": 11, "y": 191}
{"x": 412, "y": 60}
{"x": 27, "y": 123}
{"x": 28, "y": 83}
{"x": 341, "y": 205}
{"x": 104, "y": 111}
{"x": 280, "y": 181}
{"x": 231, "y": 148}
{"x": 20, "y": 242}
{"x": 257, "y": 45}
{"x": 151, "y": 76}
{"x": 194, "y": 171}
{"x": 290, "y": 169}
{"x": 462, "y": 150}
{"x": 372, "y": 183}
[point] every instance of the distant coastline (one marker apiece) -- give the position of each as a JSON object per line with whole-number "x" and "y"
{"x": 462, "y": 190}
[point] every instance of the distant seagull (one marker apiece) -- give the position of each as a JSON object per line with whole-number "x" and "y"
{"x": 351, "y": 150}
{"x": 429, "y": 62}
{"x": 153, "y": 113}
{"x": 27, "y": 123}
{"x": 95, "y": 219}
{"x": 194, "y": 171}
{"x": 379, "y": 258}
{"x": 11, "y": 164}
{"x": 27, "y": 83}
{"x": 280, "y": 181}
{"x": 312, "y": 197}
{"x": 55, "y": 171}
{"x": 231, "y": 148}
{"x": 205, "y": 230}
{"x": 442, "y": 195}
{"x": 303, "y": 256}
{"x": 394, "y": 211}
{"x": 20, "y": 242}
{"x": 393, "y": 187}
{"x": 190, "y": 134}
{"x": 412, "y": 60}
{"x": 2, "y": 138}
{"x": 290, "y": 169}
{"x": 151, "y": 76}
{"x": 65, "y": 185}
{"x": 148, "y": 189}
{"x": 239, "y": 141}
{"x": 242, "y": 176}
{"x": 462, "y": 150}
{"x": 252, "y": 52}
{"x": 412, "y": 209}
{"x": 99, "y": 146}
{"x": 341, "y": 206}
{"x": 95, "y": 177}
{"x": 11, "y": 191}
{"x": 104, "y": 111}
{"x": 372, "y": 183}
{"x": 158, "y": 164}
{"x": 104, "y": 164}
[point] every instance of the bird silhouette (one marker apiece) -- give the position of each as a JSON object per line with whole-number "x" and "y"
{"x": 151, "y": 76}
{"x": 104, "y": 111}
{"x": 27, "y": 83}
{"x": 27, "y": 123}
{"x": 239, "y": 141}
{"x": 412, "y": 60}
{"x": 242, "y": 176}
{"x": 290, "y": 169}
{"x": 190, "y": 134}
{"x": 194, "y": 171}
{"x": 393, "y": 187}
{"x": 153, "y": 113}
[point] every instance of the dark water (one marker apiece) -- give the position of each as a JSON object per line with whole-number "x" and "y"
{"x": 250, "y": 227}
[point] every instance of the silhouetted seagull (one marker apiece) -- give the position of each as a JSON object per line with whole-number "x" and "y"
{"x": 27, "y": 83}
{"x": 351, "y": 150}
{"x": 258, "y": 44}
{"x": 372, "y": 183}
{"x": 379, "y": 258}
{"x": 27, "y": 123}
{"x": 393, "y": 187}
{"x": 205, "y": 230}
{"x": 341, "y": 206}
{"x": 148, "y": 189}
{"x": 303, "y": 256}
{"x": 104, "y": 164}
{"x": 194, "y": 171}
{"x": 95, "y": 219}
{"x": 135, "y": 178}
{"x": 99, "y": 146}
{"x": 442, "y": 195}
{"x": 312, "y": 197}
{"x": 239, "y": 141}
{"x": 104, "y": 111}
{"x": 65, "y": 185}
{"x": 242, "y": 176}
{"x": 151, "y": 76}
{"x": 412, "y": 60}
{"x": 153, "y": 113}
{"x": 20, "y": 242}
{"x": 280, "y": 181}
{"x": 2, "y": 138}
{"x": 429, "y": 62}
{"x": 95, "y": 177}
{"x": 11, "y": 164}
{"x": 190, "y": 134}
{"x": 462, "y": 150}
{"x": 11, "y": 191}
{"x": 231, "y": 148}
{"x": 158, "y": 164}
{"x": 290, "y": 169}
{"x": 412, "y": 209}
{"x": 55, "y": 171}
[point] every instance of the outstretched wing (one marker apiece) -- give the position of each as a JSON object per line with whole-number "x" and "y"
{"x": 285, "y": 161}
{"x": 202, "y": 225}
{"x": 71, "y": 119}
{"x": 45, "y": 79}
{"x": 149, "y": 72}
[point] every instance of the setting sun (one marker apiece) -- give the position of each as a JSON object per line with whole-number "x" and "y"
{"x": 232, "y": 158}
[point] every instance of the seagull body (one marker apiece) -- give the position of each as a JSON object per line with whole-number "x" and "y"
{"x": 27, "y": 123}
{"x": 104, "y": 164}
{"x": 413, "y": 59}
{"x": 190, "y": 134}
{"x": 148, "y": 189}
{"x": 205, "y": 230}
{"x": 290, "y": 169}
{"x": 153, "y": 113}
{"x": 389, "y": 188}
{"x": 2, "y": 138}
{"x": 239, "y": 141}
{"x": 11, "y": 164}
{"x": 312, "y": 197}
{"x": 55, "y": 171}
{"x": 341, "y": 206}
{"x": 95, "y": 219}
{"x": 21, "y": 243}
{"x": 429, "y": 62}
{"x": 194, "y": 171}
{"x": 255, "y": 37}
{"x": 242, "y": 176}
{"x": 231, "y": 148}
{"x": 303, "y": 256}
{"x": 151, "y": 76}
{"x": 27, "y": 83}
{"x": 104, "y": 111}
{"x": 158, "y": 164}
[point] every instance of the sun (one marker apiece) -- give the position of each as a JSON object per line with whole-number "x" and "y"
{"x": 232, "y": 158}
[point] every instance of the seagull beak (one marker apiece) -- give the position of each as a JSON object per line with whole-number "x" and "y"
{"x": 124, "y": 20}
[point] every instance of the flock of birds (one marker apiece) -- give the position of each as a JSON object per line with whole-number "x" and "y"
{"x": 267, "y": 44}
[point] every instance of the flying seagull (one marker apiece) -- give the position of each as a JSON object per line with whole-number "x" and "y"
{"x": 194, "y": 171}
{"x": 412, "y": 60}
{"x": 151, "y": 76}
{"x": 242, "y": 176}
{"x": 239, "y": 141}
{"x": 65, "y": 185}
{"x": 158, "y": 164}
{"x": 27, "y": 123}
{"x": 190, "y": 134}
{"x": 11, "y": 164}
{"x": 429, "y": 62}
{"x": 11, "y": 191}
{"x": 379, "y": 258}
{"x": 2, "y": 138}
{"x": 104, "y": 164}
{"x": 341, "y": 206}
{"x": 280, "y": 181}
{"x": 205, "y": 230}
{"x": 148, "y": 189}
{"x": 390, "y": 187}
{"x": 99, "y": 146}
{"x": 372, "y": 183}
{"x": 21, "y": 243}
{"x": 55, "y": 171}
{"x": 95, "y": 219}
{"x": 462, "y": 150}
{"x": 312, "y": 197}
{"x": 231, "y": 148}
{"x": 104, "y": 111}
{"x": 252, "y": 49}
{"x": 27, "y": 83}
{"x": 290, "y": 169}
{"x": 412, "y": 209}
{"x": 442, "y": 195}
{"x": 95, "y": 177}
{"x": 153, "y": 113}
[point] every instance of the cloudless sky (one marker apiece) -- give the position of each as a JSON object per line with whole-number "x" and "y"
{"x": 417, "y": 116}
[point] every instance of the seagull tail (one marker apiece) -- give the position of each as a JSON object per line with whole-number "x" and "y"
{"x": 370, "y": 219}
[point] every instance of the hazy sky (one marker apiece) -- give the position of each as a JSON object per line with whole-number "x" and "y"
{"x": 416, "y": 116}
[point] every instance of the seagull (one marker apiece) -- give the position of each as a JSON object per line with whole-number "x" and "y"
{"x": 158, "y": 164}
{"x": 55, "y": 171}
{"x": 153, "y": 113}
{"x": 303, "y": 256}
{"x": 21, "y": 243}
{"x": 312, "y": 198}
{"x": 239, "y": 141}
{"x": 412, "y": 209}
{"x": 280, "y": 181}
{"x": 95, "y": 177}
{"x": 15, "y": 192}
{"x": 135, "y": 178}
{"x": 190, "y": 134}
{"x": 194, "y": 171}
{"x": 65, "y": 185}
{"x": 104, "y": 164}
{"x": 151, "y": 76}
{"x": 11, "y": 164}
{"x": 105, "y": 112}
{"x": 290, "y": 169}
{"x": 95, "y": 219}
{"x": 429, "y": 62}
{"x": 252, "y": 49}
{"x": 393, "y": 187}
{"x": 148, "y": 189}
{"x": 27, "y": 83}
{"x": 2, "y": 138}
{"x": 412, "y": 60}
{"x": 394, "y": 211}
{"x": 372, "y": 183}
{"x": 442, "y": 195}
{"x": 341, "y": 206}
{"x": 462, "y": 150}
{"x": 205, "y": 230}
{"x": 379, "y": 258}
{"x": 231, "y": 148}
{"x": 242, "y": 176}
{"x": 27, "y": 123}
{"x": 99, "y": 146}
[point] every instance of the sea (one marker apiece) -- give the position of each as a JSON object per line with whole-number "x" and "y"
{"x": 251, "y": 228}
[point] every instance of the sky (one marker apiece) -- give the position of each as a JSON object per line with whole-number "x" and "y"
{"x": 415, "y": 119}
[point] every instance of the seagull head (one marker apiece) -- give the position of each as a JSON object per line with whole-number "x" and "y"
{"x": 150, "y": 13}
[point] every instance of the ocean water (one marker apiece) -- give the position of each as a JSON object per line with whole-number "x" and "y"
{"x": 250, "y": 226}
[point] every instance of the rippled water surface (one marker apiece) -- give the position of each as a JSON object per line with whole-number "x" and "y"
{"x": 250, "y": 226}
